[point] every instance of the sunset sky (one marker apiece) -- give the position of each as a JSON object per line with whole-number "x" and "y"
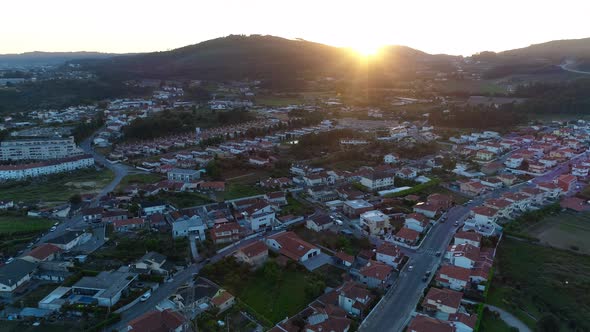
{"x": 435, "y": 26}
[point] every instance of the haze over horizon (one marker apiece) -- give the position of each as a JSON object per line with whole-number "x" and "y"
{"x": 431, "y": 26}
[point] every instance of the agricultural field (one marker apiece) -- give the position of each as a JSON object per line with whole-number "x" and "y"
{"x": 138, "y": 179}
{"x": 10, "y": 225}
{"x": 567, "y": 230}
{"x": 539, "y": 284}
{"x": 58, "y": 188}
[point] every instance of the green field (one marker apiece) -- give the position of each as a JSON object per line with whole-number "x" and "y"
{"x": 533, "y": 280}
{"x": 272, "y": 292}
{"x": 138, "y": 179}
{"x": 471, "y": 86}
{"x": 491, "y": 323}
{"x": 183, "y": 199}
{"x": 235, "y": 190}
{"x": 22, "y": 224}
{"x": 567, "y": 230}
{"x": 295, "y": 207}
{"x": 278, "y": 101}
{"x": 56, "y": 189}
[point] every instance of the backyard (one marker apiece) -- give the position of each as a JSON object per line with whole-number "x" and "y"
{"x": 235, "y": 190}
{"x": 17, "y": 231}
{"x": 138, "y": 179}
{"x": 56, "y": 189}
{"x": 272, "y": 291}
{"x": 542, "y": 284}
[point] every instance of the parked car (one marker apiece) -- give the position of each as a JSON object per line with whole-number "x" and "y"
{"x": 145, "y": 296}
{"x": 410, "y": 268}
{"x": 53, "y": 229}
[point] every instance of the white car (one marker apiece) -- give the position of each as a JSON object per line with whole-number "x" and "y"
{"x": 145, "y": 296}
{"x": 53, "y": 229}
{"x": 410, "y": 268}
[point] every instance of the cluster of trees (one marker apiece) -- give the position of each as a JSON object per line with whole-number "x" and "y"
{"x": 312, "y": 145}
{"x": 550, "y": 98}
{"x": 174, "y": 122}
{"x": 62, "y": 93}
{"x": 478, "y": 117}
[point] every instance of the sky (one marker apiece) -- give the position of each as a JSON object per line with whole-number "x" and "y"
{"x": 460, "y": 27}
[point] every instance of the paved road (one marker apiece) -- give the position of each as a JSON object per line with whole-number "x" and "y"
{"x": 392, "y": 313}
{"x": 565, "y": 67}
{"x": 510, "y": 319}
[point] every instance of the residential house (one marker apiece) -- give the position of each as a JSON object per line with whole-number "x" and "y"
{"x": 183, "y": 175}
{"x": 227, "y": 232}
{"x": 159, "y": 321}
{"x": 125, "y": 225}
{"x": 15, "y": 274}
{"x": 440, "y": 200}
{"x": 519, "y": 200}
{"x": 377, "y": 180}
{"x": 453, "y": 277}
{"x": 390, "y": 254}
{"x": 106, "y": 288}
{"x": 212, "y": 186}
{"x": 258, "y": 161}
{"x": 254, "y": 254}
{"x": 149, "y": 208}
{"x": 551, "y": 189}
{"x": 407, "y": 236}
{"x": 259, "y": 216}
{"x": 580, "y": 171}
{"x": 428, "y": 209}
{"x": 374, "y": 222}
{"x": 343, "y": 259}
{"x": 276, "y": 197}
{"x": 416, "y": 222}
{"x": 70, "y": 239}
{"x": 110, "y": 216}
{"x": 319, "y": 222}
{"x": 92, "y": 214}
{"x": 152, "y": 262}
{"x": 406, "y": 173}
{"x": 514, "y": 161}
{"x": 423, "y": 323}
{"x": 375, "y": 274}
{"x": 472, "y": 188}
{"x": 508, "y": 179}
{"x": 471, "y": 238}
{"x": 355, "y": 208}
{"x": 492, "y": 182}
{"x": 443, "y": 301}
{"x": 223, "y": 300}
{"x": 391, "y": 158}
{"x": 462, "y": 255}
{"x": 484, "y": 214}
{"x": 504, "y": 207}
{"x": 43, "y": 253}
{"x": 354, "y": 298}
{"x": 567, "y": 182}
{"x": 463, "y": 322}
{"x": 290, "y": 245}
{"x": 186, "y": 226}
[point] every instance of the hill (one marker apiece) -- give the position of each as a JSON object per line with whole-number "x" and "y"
{"x": 255, "y": 57}
{"x": 46, "y": 58}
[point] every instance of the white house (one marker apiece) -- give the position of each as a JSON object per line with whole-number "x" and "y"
{"x": 189, "y": 226}
{"x": 377, "y": 180}
{"x": 14, "y": 274}
{"x": 390, "y": 158}
{"x": 290, "y": 245}
{"x": 390, "y": 254}
{"x": 463, "y": 255}
{"x": 259, "y": 216}
{"x": 417, "y": 222}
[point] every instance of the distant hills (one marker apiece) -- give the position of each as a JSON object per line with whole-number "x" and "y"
{"x": 255, "y": 57}
{"x": 47, "y": 58}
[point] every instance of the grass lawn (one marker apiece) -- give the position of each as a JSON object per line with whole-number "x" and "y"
{"x": 237, "y": 190}
{"x": 138, "y": 179}
{"x": 275, "y": 303}
{"x": 565, "y": 230}
{"x": 57, "y": 188}
{"x": 333, "y": 241}
{"x": 491, "y": 323}
{"x": 22, "y": 224}
{"x": 183, "y": 199}
{"x": 531, "y": 280}
{"x": 295, "y": 207}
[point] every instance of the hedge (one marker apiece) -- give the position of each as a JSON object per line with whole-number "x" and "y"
{"x": 415, "y": 189}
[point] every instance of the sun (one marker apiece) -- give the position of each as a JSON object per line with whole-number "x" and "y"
{"x": 367, "y": 48}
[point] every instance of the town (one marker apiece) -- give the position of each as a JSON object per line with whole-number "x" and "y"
{"x": 309, "y": 216}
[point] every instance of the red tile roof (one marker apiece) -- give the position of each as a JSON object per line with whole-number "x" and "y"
{"x": 422, "y": 323}
{"x": 43, "y": 251}
{"x": 447, "y": 297}
{"x": 254, "y": 249}
{"x": 376, "y": 270}
{"x": 157, "y": 321}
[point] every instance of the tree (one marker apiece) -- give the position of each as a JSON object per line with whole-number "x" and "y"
{"x": 548, "y": 323}
{"x": 75, "y": 199}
